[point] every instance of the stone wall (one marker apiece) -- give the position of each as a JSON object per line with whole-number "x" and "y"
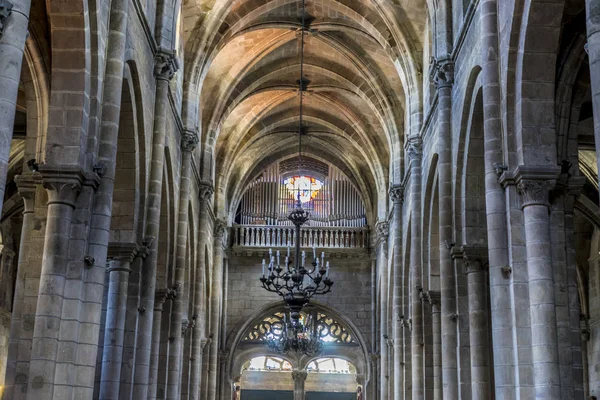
{"x": 350, "y": 295}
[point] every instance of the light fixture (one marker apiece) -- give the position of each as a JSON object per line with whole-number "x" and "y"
{"x": 292, "y": 280}
{"x": 297, "y": 336}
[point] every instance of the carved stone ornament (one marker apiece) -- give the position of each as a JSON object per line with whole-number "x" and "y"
{"x": 397, "y": 194}
{"x": 443, "y": 73}
{"x": 383, "y": 231}
{"x": 299, "y": 376}
{"x": 535, "y": 192}
{"x": 415, "y": 150}
{"x": 205, "y": 191}
{"x": 189, "y": 140}
{"x": 5, "y": 11}
{"x": 165, "y": 64}
{"x": 219, "y": 228}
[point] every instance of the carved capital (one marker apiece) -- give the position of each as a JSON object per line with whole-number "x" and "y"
{"x": 165, "y": 64}
{"x": 63, "y": 187}
{"x": 5, "y": 11}
{"x": 299, "y": 376}
{"x": 442, "y": 72}
{"x": 475, "y": 258}
{"x": 189, "y": 140}
{"x": 534, "y": 183}
{"x": 185, "y": 324}
{"x": 124, "y": 252}
{"x": 160, "y": 296}
{"x": 26, "y": 187}
{"x": 535, "y": 192}
{"x": 397, "y": 194}
{"x": 219, "y": 228}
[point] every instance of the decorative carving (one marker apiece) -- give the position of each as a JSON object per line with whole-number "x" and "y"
{"x": 383, "y": 231}
{"x": 184, "y": 326}
{"x": 500, "y": 168}
{"x": 165, "y": 64}
{"x": 89, "y": 260}
{"x": 442, "y": 72}
{"x": 189, "y": 140}
{"x": 5, "y": 11}
{"x": 506, "y": 270}
{"x": 397, "y": 194}
{"x": 535, "y": 192}
{"x": 329, "y": 329}
{"x": 475, "y": 259}
{"x": 205, "y": 191}
{"x": 219, "y": 228}
{"x": 415, "y": 150}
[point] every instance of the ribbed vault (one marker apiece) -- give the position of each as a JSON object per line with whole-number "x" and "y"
{"x": 360, "y": 58}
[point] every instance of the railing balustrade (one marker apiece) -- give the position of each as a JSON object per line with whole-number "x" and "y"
{"x": 283, "y": 236}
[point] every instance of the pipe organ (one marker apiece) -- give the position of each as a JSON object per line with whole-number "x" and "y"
{"x": 326, "y": 193}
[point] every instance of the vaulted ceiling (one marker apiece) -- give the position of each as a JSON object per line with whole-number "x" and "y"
{"x": 360, "y": 56}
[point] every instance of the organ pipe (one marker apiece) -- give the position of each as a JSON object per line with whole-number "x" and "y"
{"x": 268, "y": 201}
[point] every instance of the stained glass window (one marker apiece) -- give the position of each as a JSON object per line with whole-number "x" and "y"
{"x": 309, "y": 187}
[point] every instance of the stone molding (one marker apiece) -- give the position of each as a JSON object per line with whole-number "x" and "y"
{"x": 26, "y": 187}
{"x": 165, "y": 64}
{"x": 189, "y": 140}
{"x": 397, "y": 194}
{"x": 442, "y": 72}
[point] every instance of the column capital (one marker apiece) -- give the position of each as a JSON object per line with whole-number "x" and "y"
{"x": 185, "y": 324}
{"x": 299, "y": 376}
{"x": 203, "y": 343}
{"x": 534, "y": 183}
{"x": 219, "y": 228}
{"x": 205, "y": 191}
{"x": 160, "y": 296}
{"x": 165, "y": 64}
{"x": 432, "y": 297}
{"x": 397, "y": 194}
{"x": 442, "y": 71}
{"x": 475, "y": 258}
{"x": 189, "y": 140}
{"x": 62, "y": 183}
{"x": 26, "y": 187}
{"x": 125, "y": 252}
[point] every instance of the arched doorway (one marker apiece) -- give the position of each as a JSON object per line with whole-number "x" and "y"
{"x": 345, "y": 357}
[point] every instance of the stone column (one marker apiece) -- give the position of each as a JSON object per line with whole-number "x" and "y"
{"x": 585, "y": 337}
{"x": 592, "y": 12}
{"x": 397, "y": 197}
{"x": 131, "y": 322}
{"x": 416, "y": 340}
{"x": 443, "y": 77}
{"x": 475, "y": 261}
{"x": 299, "y": 378}
{"x": 159, "y": 301}
{"x": 119, "y": 267}
{"x": 495, "y": 206}
{"x": 198, "y": 340}
{"x": 165, "y": 67}
{"x": 27, "y": 186}
{"x": 189, "y": 141}
{"x": 436, "y": 324}
{"x": 14, "y": 24}
{"x": 215, "y": 314}
{"x": 383, "y": 230}
{"x": 49, "y": 336}
{"x": 534, "y": 188}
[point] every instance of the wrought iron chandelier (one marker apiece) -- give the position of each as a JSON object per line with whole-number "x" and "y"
{"x": 297, "y": 337}
{"x": 295, "y": 283}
